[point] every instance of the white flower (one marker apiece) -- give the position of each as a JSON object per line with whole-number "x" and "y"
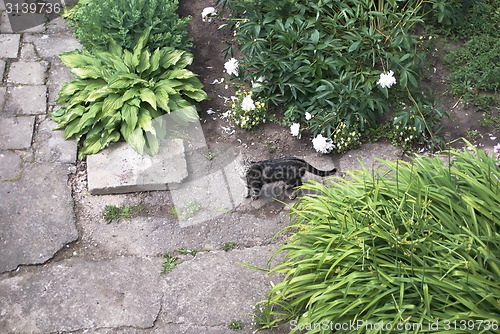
{"x": 258, "y": 82}
{"x": 295, "y": 129}
{"x": 231, "y": 66}
{"x": 386, "y": 80}
{"x": 322, "y": 144}
{"x": 247, "y": 103}
{"x": 207, "y": 13}
{"x": 496, "y": 149}
{"x": 308, "y": 116}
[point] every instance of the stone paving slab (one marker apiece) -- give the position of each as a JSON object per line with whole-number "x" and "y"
{"x": 2, "y": 71}
{"x": 36, "y": 216}
{"x": 194, "y": 287}
{"x": 50, "y": 145}
{"x": 10, "y": 165}
{"x": 10, "y": 45}
{"x": 368, "y": 154}
{"x": 3, "y": 97}
{"x": 80, "y": 294}
{"x": 58, "y": 74}
{"x": 52, "y": 45}
{"x": 16, "y": 133}
{"x": 120, "y": 169}
{"x": 5, "y": 26}
{"x": 27, "y": 73}
{"x": 27, "y": 100}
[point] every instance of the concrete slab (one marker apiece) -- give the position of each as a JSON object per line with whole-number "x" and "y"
{"x": 10, "y": 165}
{"x": 3, "y": 97}
{"x": 51, "y": 46}
{"x": 28, "y": 52}
{"x": 368, "y": 155}
{"x": 27, "y": 100}
{"x": 120, "y": 169}
{"x": 58, "y": 26}
{"x": 2, "y": 71}
{"x": 194, "y": 287}
{"x": 36, "y": 216}
{"x": 27, "y": 73}
{"x": 2, "y": 5}
{"x": 78, "y": 294}
{"x": 16, "y": 133}
{"x": 10, "y": 45}
{"x": 50, "y": 146}
{"x": 58, "y": 75}
{"x": 5, "y": 26}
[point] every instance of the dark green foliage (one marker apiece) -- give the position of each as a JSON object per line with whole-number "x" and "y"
{"x": 409, "y": 243}
{"x": 325, "y": 57}
{"x": 96, "y": 22}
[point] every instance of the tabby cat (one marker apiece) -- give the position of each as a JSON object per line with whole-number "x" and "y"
{"x": 289, "y": 170}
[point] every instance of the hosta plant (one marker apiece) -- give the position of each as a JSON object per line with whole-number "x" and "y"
{"x": 123, "y": 94}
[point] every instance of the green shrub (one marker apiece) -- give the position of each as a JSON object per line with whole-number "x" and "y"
{"x": 96, "y": 22}
{"x": 408, "y": 243}
{"x": 326, "y": 57}
{"x": 121, "y": 93}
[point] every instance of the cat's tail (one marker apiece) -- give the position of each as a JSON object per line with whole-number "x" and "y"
{"x": 321, "y": 173}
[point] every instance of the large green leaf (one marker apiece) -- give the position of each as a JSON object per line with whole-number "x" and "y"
{"x": 139, "y": 48}
{"x": 112, "y": 103}
{"x": 74, "y": 59}
{"x": 130, "y": 118}
{"x": 124, "y": 80}
{"x": 148, "y": 96}
{"x": 86, "y": 72}
{"x": 170, "y": 57}
{"x": 162, "y": 99}
{"x": 179, "y": 74}
{"x": 154, "y": 61}
{"x": 198, "y": 95}
{"x": 145, "y": 121}
{"x": 136, "y": 140}
{"x": 144, "y": 61}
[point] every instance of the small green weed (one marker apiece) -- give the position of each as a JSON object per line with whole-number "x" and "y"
{"x": 235, "y": 325}
{"x": 189, "y": 211}
{"x": 117, "y": 212}
{"x": 169, "y": 262}
{"x": 491, "y": 119}
{"x": 229, "y": 246}
{"x": 189, "y": 251}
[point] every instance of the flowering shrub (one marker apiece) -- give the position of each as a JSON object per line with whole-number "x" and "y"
{"x": 346, "y": 138}
{"x": 245, "y": 111}
{"x": 334, "y": 60}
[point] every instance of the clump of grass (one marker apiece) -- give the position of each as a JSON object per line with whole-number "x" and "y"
{"x": 189, "y": 211}
{"x": 169, "y": 262}
{"x": 413, "y": 242}
{"x": 229, "y": 246}
{"x": 117, "y": 212}
{"x": 235, "y": 325}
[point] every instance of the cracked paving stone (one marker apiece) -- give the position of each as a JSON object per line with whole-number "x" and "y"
{"x": 78, "y": 294}
{"x": 36, "y": 216}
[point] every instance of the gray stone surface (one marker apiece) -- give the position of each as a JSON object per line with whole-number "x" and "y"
{"x": 28, "y": 53}
{"x": 5, "y": 26}
{"x": 50, "y": 145}
{"x": 52, "y": 45}
{"x": 10, "y": 45}
{"x": 79, "y": 294}
{"x": 36, "y": 216}
{"x": 3, "y": 97}
{"x": 2, "y": 5}
{"x": 27, "y": 73}
{"x": 10, "y": 165}
{"x": 120, "y": 169}
{"x": 2, "y": 71}
{"x": 27, "y": 100}
{"x": 16, "y": 133}
{"x": 368, "y": 154}
{"x": 58, "y": 74}
{"x": 216, "y": 278}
